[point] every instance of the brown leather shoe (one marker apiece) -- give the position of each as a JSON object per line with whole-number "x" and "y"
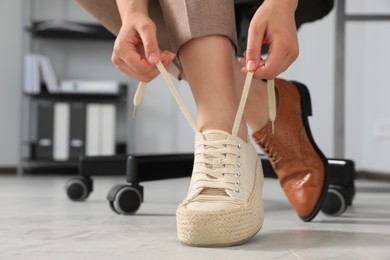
{"x": 298, "y": 162}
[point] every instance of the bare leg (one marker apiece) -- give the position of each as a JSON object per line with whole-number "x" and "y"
{"x": 256, "y": 109}
{"x": 208, "y": 64}
{"x": 226, "y": 179}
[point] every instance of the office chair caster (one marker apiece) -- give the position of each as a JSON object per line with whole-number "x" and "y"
{"x": 336, "y": 201}
{"x": 125, "y": 199}
{"x": 341, "y": 188}
{"x": 79, "y": 188}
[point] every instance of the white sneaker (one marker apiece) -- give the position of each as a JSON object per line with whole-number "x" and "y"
{"x": 223, "y": 206}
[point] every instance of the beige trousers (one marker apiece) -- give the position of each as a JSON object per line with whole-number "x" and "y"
{"x": 177, "y": 21}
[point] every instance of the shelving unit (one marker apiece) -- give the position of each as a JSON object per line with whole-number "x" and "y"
{"x": 39, "y": 34}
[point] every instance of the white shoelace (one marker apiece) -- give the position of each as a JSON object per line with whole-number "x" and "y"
{"x": 248, "y": 80}
{"x": 216, "y": 161}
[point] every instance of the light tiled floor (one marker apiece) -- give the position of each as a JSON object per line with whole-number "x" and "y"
{"x": 38, "y": 221}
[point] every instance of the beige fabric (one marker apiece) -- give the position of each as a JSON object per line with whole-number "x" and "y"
{"x": 177, "y": 21}
{"x": 105, "y": 11}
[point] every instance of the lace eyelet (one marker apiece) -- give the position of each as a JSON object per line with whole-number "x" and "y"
{"x": 237, "y": 182}
{"x": 238, "y": 145}
{"x": 238, "y": 155}
{"x": 238, "y": 174}
{"x": 238, "y": 164}
{"x": 237, "y": 190}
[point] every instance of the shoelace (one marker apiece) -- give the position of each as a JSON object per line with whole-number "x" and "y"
{"x": 270, "y": 90}
{"x": 214, "y": 168}
{"x": 272, "y": 154}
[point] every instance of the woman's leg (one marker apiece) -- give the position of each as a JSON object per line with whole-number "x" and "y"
{"x": 223, "y": 206}
{"x": 208, "y": 63}
{"x": 256, "y": 109}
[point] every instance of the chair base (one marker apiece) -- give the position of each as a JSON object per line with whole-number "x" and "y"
{"x": 126, "y": 199}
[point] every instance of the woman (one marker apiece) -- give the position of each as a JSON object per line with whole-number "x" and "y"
{"x": 197, "y": 41}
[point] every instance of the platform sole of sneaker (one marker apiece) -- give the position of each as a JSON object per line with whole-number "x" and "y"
{"x": 222, "y": 228}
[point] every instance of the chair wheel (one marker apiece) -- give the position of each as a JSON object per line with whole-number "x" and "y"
{"x": 79, "y": 188}
{"x": 335, "y": 201}
{"x": 124, "y": 199}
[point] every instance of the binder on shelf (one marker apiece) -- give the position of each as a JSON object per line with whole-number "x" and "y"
{"x": 61, "y": 131}
{"x": 31, "y": 77}
{"x": 49, "y": 77}
{"x": 93, "y": 130}
{"x": 89, "y": 87}
{"x": 108, "y": 115}
{"x": 44, "y": 146}
{"x": 100, "y": 129}
{"x": 77, "y": 130}
{"x": 38, "y": 70}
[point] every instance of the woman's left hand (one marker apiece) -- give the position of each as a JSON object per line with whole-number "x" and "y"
{"x": 273, "y": 23}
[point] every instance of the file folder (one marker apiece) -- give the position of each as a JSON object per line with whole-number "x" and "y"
{"x": 44, "y": 147}
{"x": 61, "y": 131}
{"x": 77, "y": 130}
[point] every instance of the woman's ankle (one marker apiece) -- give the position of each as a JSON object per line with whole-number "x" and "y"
{"x": 204, "y": 125}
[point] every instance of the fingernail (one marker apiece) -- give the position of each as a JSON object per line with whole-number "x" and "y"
{"x": 250, "y": 65}
{"x": 153, "y": 57}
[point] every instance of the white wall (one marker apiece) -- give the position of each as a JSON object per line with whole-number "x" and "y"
{"x": 10, "y": 80}
{"x": 368, "y": 88}
{"x": 314, "y": 68}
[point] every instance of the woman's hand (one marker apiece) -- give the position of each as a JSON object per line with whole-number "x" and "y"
{"x": 136, "y": 50}
{"x": 273, "y": 23}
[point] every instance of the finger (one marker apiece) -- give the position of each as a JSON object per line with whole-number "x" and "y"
{"x": 253, "y": 50}
{"x": 166, "y": 60}
{"x": 147, "y": 33}
{"x": 144, "y": 77}
{"x": 134, "y": 60}
{"x": 279, "y": 58}
{"x": 126, "y": 51}
{"x": 168, "y": 53}
{"x": 276, "y": 60}
{"x": 164, "y": 55}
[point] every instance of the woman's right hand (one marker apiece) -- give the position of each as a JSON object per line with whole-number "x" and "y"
{"x": 136, "y": 50}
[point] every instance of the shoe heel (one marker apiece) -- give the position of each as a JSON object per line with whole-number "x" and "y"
{"x": 305, "y": 99}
